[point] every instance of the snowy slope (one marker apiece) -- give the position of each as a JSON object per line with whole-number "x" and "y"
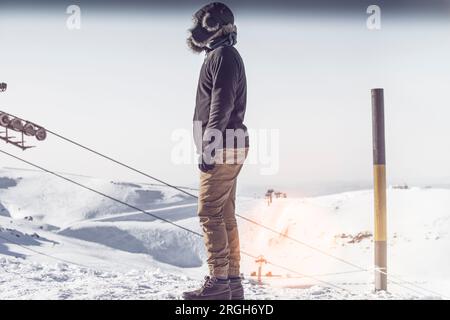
{"x": 341, "y": 225}
{"x": 59, "y": 241}
{"x": 42, "y": 196}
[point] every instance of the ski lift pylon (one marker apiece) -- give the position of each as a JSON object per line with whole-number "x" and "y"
{"x": 26, "y": 128}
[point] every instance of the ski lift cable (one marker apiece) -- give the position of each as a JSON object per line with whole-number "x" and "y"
{"x": 397, "y": 278}
{"x": 147, "y": 213}
{"x": 336, "y": 273}
{"x": 196, "y": 197}
{"x": 360, "y": 268}
{"x": 301, "y": 243}
{"x": 101, "y": 193}
{"x": 200, "y": 235}
{"x": 301, "y": 275}
{"x": 358, "y": 271}
{"x": 122, "y": 164}
{"x": 313, "y": 277}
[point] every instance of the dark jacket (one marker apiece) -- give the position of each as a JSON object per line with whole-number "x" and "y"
{"x": 222, "y": 96}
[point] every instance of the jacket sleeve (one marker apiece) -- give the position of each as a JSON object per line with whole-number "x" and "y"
{"x": 224, "y": 71}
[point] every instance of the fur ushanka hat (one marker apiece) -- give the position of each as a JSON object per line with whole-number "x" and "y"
{"x": 212, "y": 21}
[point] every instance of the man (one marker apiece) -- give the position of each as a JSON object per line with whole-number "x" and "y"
{"x": 222, "y": 143}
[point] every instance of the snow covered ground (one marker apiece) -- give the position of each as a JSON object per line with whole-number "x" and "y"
{"x": 58, "y": 241}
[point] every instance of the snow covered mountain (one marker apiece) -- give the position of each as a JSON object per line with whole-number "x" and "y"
{"x": 60, "y": 241}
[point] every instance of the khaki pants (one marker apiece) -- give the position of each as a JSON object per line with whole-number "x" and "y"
{"x": 216, "y": 209}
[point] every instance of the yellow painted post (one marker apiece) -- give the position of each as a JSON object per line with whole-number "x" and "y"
{"x": 379, "y": 179}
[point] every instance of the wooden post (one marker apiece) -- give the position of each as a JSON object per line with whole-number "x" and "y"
{"x": 379, "y": 171}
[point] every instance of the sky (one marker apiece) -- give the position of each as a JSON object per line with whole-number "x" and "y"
{"x": 125, "y": 85}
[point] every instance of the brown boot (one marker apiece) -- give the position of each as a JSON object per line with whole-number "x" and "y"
{"x": 237, "y": 290}
{"x": 212, "y": 289}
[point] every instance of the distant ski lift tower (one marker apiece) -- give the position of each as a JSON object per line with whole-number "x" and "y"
{"x": 260, "y": 261}
{"x": 24, "y": 127}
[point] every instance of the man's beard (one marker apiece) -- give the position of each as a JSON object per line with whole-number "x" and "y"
{"x": 194, "y": 46}
{"x": 199, "y": 38}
